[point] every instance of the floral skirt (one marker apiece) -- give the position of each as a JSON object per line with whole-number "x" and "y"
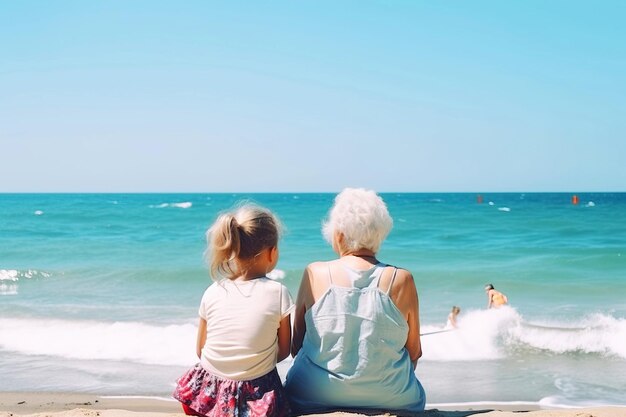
{"x": 211, "y": 396}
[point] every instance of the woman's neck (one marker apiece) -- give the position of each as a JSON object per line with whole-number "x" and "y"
{"x": 364, "y": 254}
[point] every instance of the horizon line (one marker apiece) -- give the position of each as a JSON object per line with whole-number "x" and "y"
{"x": 316, "y": 192}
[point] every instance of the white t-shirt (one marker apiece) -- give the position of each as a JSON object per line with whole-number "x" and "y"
{"x": 243, "y": 318}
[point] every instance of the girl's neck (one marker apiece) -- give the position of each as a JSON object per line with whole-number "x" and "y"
{"x": 249, "y": 276}
{"x": 259, "y": 265}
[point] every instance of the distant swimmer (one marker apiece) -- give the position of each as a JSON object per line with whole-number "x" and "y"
{"x": 495, "y": 298}
{"x": 451, "y": 324}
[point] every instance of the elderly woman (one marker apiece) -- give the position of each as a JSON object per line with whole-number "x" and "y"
{"x": 356, "y": 332}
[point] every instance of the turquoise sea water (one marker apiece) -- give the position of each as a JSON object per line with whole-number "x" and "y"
{"x": 99, "y": 292}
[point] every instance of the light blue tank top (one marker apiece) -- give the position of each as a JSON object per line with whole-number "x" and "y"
{"x": 353, "y": 353}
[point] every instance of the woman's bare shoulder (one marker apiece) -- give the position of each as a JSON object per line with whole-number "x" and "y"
{"x": 319, "y": 266}
{"x": 402, "y": 274}
{"x": 403, "y": 280}
{"x": 318, "y": 278}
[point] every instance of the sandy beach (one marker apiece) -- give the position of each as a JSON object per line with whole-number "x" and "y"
{"x": 18, "y": 404}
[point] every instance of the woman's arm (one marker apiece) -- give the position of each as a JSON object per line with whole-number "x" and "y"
{"x": 303, "y": 301}
{"x": 414, "y": 343}
{"x": 404, "y": 295}
{"x": 201, "y": 339}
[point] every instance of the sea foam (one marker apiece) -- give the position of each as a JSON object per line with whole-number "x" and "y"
{"x": 88, "y": 340}
{"x": 597, "y": 333}
{"x": 498, "y": 333}
{"x": 481, "y": 335}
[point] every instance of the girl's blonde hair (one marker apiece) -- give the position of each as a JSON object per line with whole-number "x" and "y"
{"x": 237, "y": 237}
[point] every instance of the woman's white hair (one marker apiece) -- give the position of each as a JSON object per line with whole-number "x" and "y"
{"x": 361, "y": 216}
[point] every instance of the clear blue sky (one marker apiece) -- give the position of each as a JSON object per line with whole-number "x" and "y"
{"x": 156, "y": 96}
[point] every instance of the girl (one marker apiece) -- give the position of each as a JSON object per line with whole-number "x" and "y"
{"x": 451, "y": 323}
{"x": 244, "y": 325}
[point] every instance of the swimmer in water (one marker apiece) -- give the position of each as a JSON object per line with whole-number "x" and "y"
{"x": 495, "y": 298}
{"x": 451, "y": 324}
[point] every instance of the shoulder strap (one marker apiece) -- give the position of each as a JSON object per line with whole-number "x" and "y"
{"x": 330, "y": 276}
{"x": 380, "y": 271}
{"x": 393, "y": 278}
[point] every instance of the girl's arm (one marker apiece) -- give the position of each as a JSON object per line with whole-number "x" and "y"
{"x": 201, "y": 340}
{"x": 284, "y": 338}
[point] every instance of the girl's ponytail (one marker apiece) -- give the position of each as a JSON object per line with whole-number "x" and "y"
{"x": 237, "y": 237}
{"x": 223, "y": 245}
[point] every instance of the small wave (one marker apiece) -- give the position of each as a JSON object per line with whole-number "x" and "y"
{"x": 276, "y": 274}
{"x": 504, "y": 209}
{"x": 88, "y": 340}
{"x": 576, "y": 393}
{"x": 475, "y": 404}
{"x": 595, "y": 334}
{"x": 15, "y": 275}
{"x": 38, "y": 212}
{"x": 546, "y": 402}
{"x": 184, "y": 205}
{"x": 8, "y": 275}
{"x": 560, "y": 401}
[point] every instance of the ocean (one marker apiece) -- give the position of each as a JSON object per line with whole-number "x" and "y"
{"x": 99, "y": 292}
